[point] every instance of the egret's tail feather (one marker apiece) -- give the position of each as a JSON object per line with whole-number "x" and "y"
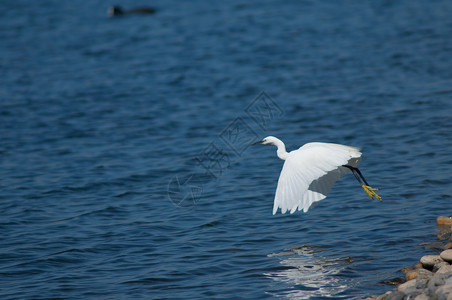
{"x": 371, "y": 192}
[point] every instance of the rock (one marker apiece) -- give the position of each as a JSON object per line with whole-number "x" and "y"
{"x": 422, "y": 297}
{"x": 447, "y": 246}
{"x": 395, "y": 281}
{"x": 418, "y": 266}
{"x": 411, "y": 275}
{"x": 444, "y": 292}
{"x": 437, "y": 266}
{"x": 437, "y": 280}
{"x": 436, "y": 245}
{"x": 444, "y": 269}
{"x": 425, "y": 273}
{"x": 428, "y": 261}
{"x": 444, "y": 234}
{"x": 422, "y": 281}
{"x": 412, "y": 294}
{"x": 447, "y": 255}
{"x": 441, "y": 221}
{"x": 397, "y": 295}
{"x": 383, "y": 297}
{"x": 407, "y": 269}
{"x": 406, "y": 285}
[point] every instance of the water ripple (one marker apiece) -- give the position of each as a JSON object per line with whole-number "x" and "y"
{"x": 98, "y": 114}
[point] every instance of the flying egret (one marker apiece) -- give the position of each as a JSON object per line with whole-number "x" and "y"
{"x": 309, "y": 173}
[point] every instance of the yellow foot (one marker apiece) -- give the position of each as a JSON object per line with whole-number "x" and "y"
{"x": 370, "y": 191}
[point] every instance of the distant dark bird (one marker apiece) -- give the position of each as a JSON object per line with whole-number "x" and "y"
{"x": 118, "y": 11}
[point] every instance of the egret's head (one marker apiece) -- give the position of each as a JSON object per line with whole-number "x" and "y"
{"x": 269, "y": 140}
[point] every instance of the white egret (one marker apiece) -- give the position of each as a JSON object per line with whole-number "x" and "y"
{"x": 309, "y": 173}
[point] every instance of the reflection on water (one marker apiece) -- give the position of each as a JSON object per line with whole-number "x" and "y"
{"x": 97, "y": 115}
{"x": 311, "y": 272}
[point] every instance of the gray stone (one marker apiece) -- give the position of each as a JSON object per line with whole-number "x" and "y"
{"x": 445, "y": 269}
{"x": 412, "y": 291}
{"x": 425, "y": 273}
{"x": 407, "y": 285}
{"x": 437, "y": 280}
{"x": 383, "y": 297}
{"x": 423, "y": 278}
{"x": 437, "y": 266}
{"x": 428, "y": 261}
{"x": 411, "y": 294}
{"x": 447, "y": 255}
{"x": 409, "y": 288}
{"x": 396, "y": 295}
{"x": 444, "y": 292}
{"x": 422, "y": 297}
{"x": 422, "y": 281}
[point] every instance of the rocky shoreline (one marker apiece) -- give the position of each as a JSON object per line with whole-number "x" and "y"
{"x": 431, "y": 277}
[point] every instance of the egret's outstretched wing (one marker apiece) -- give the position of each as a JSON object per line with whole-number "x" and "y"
{"x": 309, "y": 173}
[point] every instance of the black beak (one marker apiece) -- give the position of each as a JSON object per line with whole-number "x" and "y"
{"x": 257, "y": 143}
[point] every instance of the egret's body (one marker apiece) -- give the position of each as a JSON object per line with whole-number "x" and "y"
{"x": 309, "y": 173}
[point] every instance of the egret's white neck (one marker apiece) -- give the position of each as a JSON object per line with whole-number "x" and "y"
{"x": 281, "y": 152}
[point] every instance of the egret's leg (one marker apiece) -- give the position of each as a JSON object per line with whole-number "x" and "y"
{"x": 368, "y": 189}
{"x": 355, "y": 174}
{"x": 361, "y": 175}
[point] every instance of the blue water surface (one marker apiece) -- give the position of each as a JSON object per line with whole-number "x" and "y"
{"x": 125, "y": 171}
